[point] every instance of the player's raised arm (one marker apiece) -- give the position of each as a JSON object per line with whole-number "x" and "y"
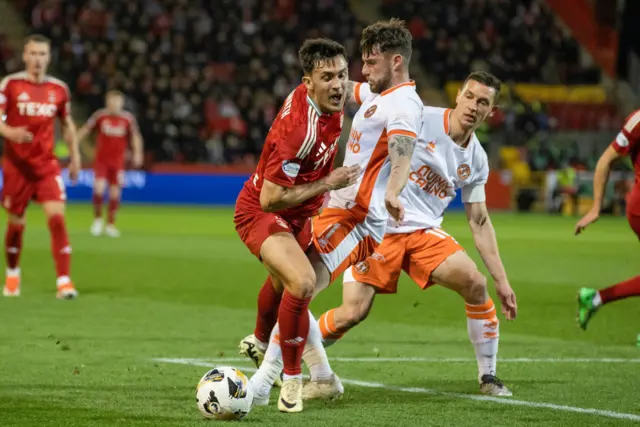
{"x": 484, "y": 237}
{"x": 625, "y": 141}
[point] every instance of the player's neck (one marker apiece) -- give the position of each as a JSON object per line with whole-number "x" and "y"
{"x": 457, "y": 133}
{"x": 398, "y": 79}
{"x": 35, "y": 77}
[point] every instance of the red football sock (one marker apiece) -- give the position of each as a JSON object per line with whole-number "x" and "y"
{"x": 114, "y": 204}
{"x": 629, "y": 288}
{"x": 293, "y": 317}
{"x": 97, "y": 205}
{"x": 60, "y": 248}
{"x": 13, "y": 244}
{"x": 268, "y": 305}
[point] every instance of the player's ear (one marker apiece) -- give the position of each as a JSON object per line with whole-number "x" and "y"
{"x": 306, "y": 80}
{"x": 494, "y": 109}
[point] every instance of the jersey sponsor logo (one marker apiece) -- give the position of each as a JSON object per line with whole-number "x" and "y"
{"x": 110, "y": 130}
{"x": 622, "y": 140}
{"x": 370, "y": 111}
{"x": 353, "y": 144}
{"x": 430, "y": 181}
{"x": 37, "y": 109}
{"x": 464, "y": 171}
{"x": 290, "y": 168}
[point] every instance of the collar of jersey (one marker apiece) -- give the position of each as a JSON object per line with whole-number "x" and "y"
{"x": 313, "y": 104}
{"x": 391, "y": 89}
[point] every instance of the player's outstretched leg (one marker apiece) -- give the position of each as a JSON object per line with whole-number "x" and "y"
{"x": 60, "y": 249}
{"x": 114, "y": 204}
{"x": 590, "y": 300}
{"x": 460, "y": 274}
{"x": 98, "y": 197}
{"x": 13, "y": 248}
{"x": 357, "y": 300}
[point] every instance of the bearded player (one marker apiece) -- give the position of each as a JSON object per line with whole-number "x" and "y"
{"x": 448, "y": 157}
{"x": 115, "y": 128}
{"x": 626, "y": 143}
{"x": 31, "y": 101}
{"x": 274, "y": 209}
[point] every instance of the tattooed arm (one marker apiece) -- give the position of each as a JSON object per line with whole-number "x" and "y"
{"x": 400, "y": 152}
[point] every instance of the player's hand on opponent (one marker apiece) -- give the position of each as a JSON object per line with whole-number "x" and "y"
{"x": 74, "y": 166}
{"x": 343, "y": 176}
{"x": 507, "y": 300}
{"x": 394, "y": 207}
{"x": 591, "y": 217}
{"x": 19, "y": 134}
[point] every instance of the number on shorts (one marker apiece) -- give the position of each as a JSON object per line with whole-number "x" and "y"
{"x": 63, "y": 192}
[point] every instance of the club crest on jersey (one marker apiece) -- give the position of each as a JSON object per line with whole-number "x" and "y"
{"x": 431, "y": 147}
{"x": 464, "y": 171}
{"x": 370, "y": 111}
{"x": 290, "y": 169}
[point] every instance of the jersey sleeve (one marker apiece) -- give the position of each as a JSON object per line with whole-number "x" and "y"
{"x": 65, "y": 104}
{"x": 405, "y": 119}
{"x": 287, "y": 155}
{"x": 629, "y": 136}
{"x": 361, "y": 92}
{"x": 4, "y": 93}
{"x": 474, "y": 192}
{"x": 133, "y": 124}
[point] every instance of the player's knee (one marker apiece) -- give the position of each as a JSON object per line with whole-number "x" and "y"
{"x": 17, "y": 220}
{"x": 474, "y": 287}
{"x": 302, "y": 284}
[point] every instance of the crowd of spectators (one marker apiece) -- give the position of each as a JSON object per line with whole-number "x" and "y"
{"x": 205, "y": 78}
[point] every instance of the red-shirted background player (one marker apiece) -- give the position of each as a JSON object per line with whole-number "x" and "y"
{"x": 114, "y": 128}
{"x": 32, "y": 101}
{"x": 627, "y": 143}
{"x": 274, "y": 208}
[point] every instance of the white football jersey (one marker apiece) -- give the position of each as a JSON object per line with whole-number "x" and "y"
{"x": 397, "y": 110}
{"x": 439, "y": 166}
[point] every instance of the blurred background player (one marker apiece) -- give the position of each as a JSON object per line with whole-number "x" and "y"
{"x": 274, "y": 209}
{"x": 626, "y": 143}
{"x": 32, "y": 101}
{"x": 114, "y": 128}
{"x": 348, "y": 230}
{"x": 448, "y": 157}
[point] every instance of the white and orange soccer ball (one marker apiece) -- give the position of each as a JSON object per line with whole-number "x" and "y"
{"x": 224, "y": 393}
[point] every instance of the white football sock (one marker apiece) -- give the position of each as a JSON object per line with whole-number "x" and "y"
{"x": 484, "y": 334}
{"x": 597, "y": 300}
{"x": 315, "y": 356}
{"x": 262, "y": 381}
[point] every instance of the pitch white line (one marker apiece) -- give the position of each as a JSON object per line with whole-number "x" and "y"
{"x": 500, "y": 400}
{"x": 446, "y": 360}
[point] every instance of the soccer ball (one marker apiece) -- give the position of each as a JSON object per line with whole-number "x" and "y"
{"x": 224, "y": 393}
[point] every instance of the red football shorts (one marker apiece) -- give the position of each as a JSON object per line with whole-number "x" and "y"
{"x": 113, "y": 175}
{"x": 254, "y": 226}
{"x": 18, "y": 191}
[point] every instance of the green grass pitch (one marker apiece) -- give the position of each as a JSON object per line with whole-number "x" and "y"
{"x": 180, "y": 285}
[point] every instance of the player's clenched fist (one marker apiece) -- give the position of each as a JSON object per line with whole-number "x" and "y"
{"x": 343, "y": 177}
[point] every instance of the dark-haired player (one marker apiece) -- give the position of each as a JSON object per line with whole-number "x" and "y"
{"x": 274, "y": 209}
{"x": 32, "y": 101}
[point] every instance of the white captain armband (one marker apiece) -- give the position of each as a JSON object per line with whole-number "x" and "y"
{"x": 473, "y": 193}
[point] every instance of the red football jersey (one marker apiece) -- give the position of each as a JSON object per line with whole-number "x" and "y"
{"x": 300, "y": 148}
{"x": 628, "y": 143}
{"x": 113, "y": 134}
{"x": 35, "y": 106}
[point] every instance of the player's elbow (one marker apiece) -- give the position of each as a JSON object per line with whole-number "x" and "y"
{"x": 268, "y": 202}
